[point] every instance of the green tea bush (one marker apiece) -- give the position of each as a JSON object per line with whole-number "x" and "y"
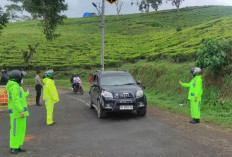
{"x": 178, "y": 28}
{"x": 156, "y": 24}
{"x": 212, "y": 54}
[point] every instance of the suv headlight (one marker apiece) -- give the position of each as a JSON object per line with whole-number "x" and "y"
{"x": 107, "y": 94}
{"x": 139, "y": 93}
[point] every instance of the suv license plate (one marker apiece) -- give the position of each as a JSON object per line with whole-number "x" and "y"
{"x": 127, "y": 107}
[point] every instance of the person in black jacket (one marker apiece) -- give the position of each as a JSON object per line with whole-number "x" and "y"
{"x": 4, "y": 78}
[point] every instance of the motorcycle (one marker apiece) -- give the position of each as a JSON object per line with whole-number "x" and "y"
{"x": 78, "y": 88}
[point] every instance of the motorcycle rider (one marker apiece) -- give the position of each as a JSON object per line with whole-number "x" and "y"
{"x": 50, "y": 95}
{"x": 18, "y": 110}
{"x": 76, "y": 81}
{"x": 195, "y": 94}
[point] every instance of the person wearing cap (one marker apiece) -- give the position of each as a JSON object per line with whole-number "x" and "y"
{"x": 195, "y": 94}
{"x": 18, "y": 111}
{"x": 38, "y": 87}
{"x": 50, "y": 95}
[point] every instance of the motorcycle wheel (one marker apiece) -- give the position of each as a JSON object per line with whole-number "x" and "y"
{"x": 81, "y": 91}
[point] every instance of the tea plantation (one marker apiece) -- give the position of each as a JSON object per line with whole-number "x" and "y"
{"x": 156, "y": 35}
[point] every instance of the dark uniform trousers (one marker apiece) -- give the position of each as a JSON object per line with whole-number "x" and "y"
{"x": 38, "y": 93}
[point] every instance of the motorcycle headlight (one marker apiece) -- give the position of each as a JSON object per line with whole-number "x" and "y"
{"x": 107, "y": 94}
{"x": 139, "y": 93}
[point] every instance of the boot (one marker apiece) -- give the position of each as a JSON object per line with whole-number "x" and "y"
{"x": 38, "y": 104}
{"x": 14, "y": 151}
{"x": 21, "y": 150}
{"x": 194, "y": 121}
{"x": 197, "y": 120}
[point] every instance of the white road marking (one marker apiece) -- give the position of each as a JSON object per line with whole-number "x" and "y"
{"x": 87, "y": 104}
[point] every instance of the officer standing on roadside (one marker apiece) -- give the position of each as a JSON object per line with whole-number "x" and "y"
{"x": 195, "y": 94}
{"x": 18, "y": 110}
{"x": 38, "y": 87}
{"x": 50, "y": 95}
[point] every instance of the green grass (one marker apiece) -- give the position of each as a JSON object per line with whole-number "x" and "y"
{"x": 130, "y": 39}
{"x": 162, "y": 89}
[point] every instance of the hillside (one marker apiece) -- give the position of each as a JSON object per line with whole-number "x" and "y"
{"x": 138, "y": 36}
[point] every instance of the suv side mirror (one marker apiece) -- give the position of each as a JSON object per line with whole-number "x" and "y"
{"x": 138, "y": 82}
{"x": 94, "y": 84}
{"x": 144, "y": 87}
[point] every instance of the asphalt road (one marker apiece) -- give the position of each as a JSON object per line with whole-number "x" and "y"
{"x": 79, "y": 133}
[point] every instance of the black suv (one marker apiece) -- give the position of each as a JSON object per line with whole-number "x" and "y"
{"x": 116, "y": 91}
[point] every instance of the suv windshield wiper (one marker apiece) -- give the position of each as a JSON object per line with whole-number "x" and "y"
{"x": 129, "y": 84}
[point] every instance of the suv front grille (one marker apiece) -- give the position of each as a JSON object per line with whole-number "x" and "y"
{"x": 125, "y": 95}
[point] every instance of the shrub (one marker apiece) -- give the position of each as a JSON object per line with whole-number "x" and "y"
{"x": 212, "y": 54}
{"x": 156, "y": 24}
{"x": 178, "y": 28}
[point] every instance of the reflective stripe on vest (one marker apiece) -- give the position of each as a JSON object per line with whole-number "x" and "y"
{"x": 10, "y": 96}
{"x": 21, "y": 93}
{"x": 192, "y": 94}
{"x": 25, "y": 109}
{"x": 194, "y": 84}
{"x": 14, "y": 133}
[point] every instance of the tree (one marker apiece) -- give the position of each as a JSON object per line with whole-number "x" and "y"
{"x": 3, "y": 19}
{"x": 213, "y": 54}
{"x": 27, "y": 55}
{"x": 145, "y": 4}
{"x": 50, "y": 12}
{"x": 13, "y": 11}
{"x": 118, "y": 8}
{"x": 176, "y": 3}
{"x": 155, "y": 4}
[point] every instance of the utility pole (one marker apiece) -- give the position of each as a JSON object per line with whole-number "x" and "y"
{"x": 103, "y": 35}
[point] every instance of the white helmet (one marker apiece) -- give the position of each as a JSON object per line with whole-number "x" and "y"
{"x": 197, "y": 71}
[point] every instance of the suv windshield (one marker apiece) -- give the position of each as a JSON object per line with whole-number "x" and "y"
{"x": 117, "y": 80}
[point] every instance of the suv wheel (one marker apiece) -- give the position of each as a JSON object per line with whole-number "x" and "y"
{"x": 91, "y": 103}
{"x": 100, "y": 113}
{"x": 142, "y": 112}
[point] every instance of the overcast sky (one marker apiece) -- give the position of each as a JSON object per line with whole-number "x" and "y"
{"x": 78, "y": 7}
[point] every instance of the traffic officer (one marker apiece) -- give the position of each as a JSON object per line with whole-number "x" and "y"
{"x": 18, "y": 110}
{"x": 195, "y": 94}
{"x": 50, "y": 95}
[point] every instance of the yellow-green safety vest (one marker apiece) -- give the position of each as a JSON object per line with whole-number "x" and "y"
{"x": 50, "y": 93}
{"x": 195, "y": 88}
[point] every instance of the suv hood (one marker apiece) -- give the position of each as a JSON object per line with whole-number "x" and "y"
{"x": 122, "y": 88}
